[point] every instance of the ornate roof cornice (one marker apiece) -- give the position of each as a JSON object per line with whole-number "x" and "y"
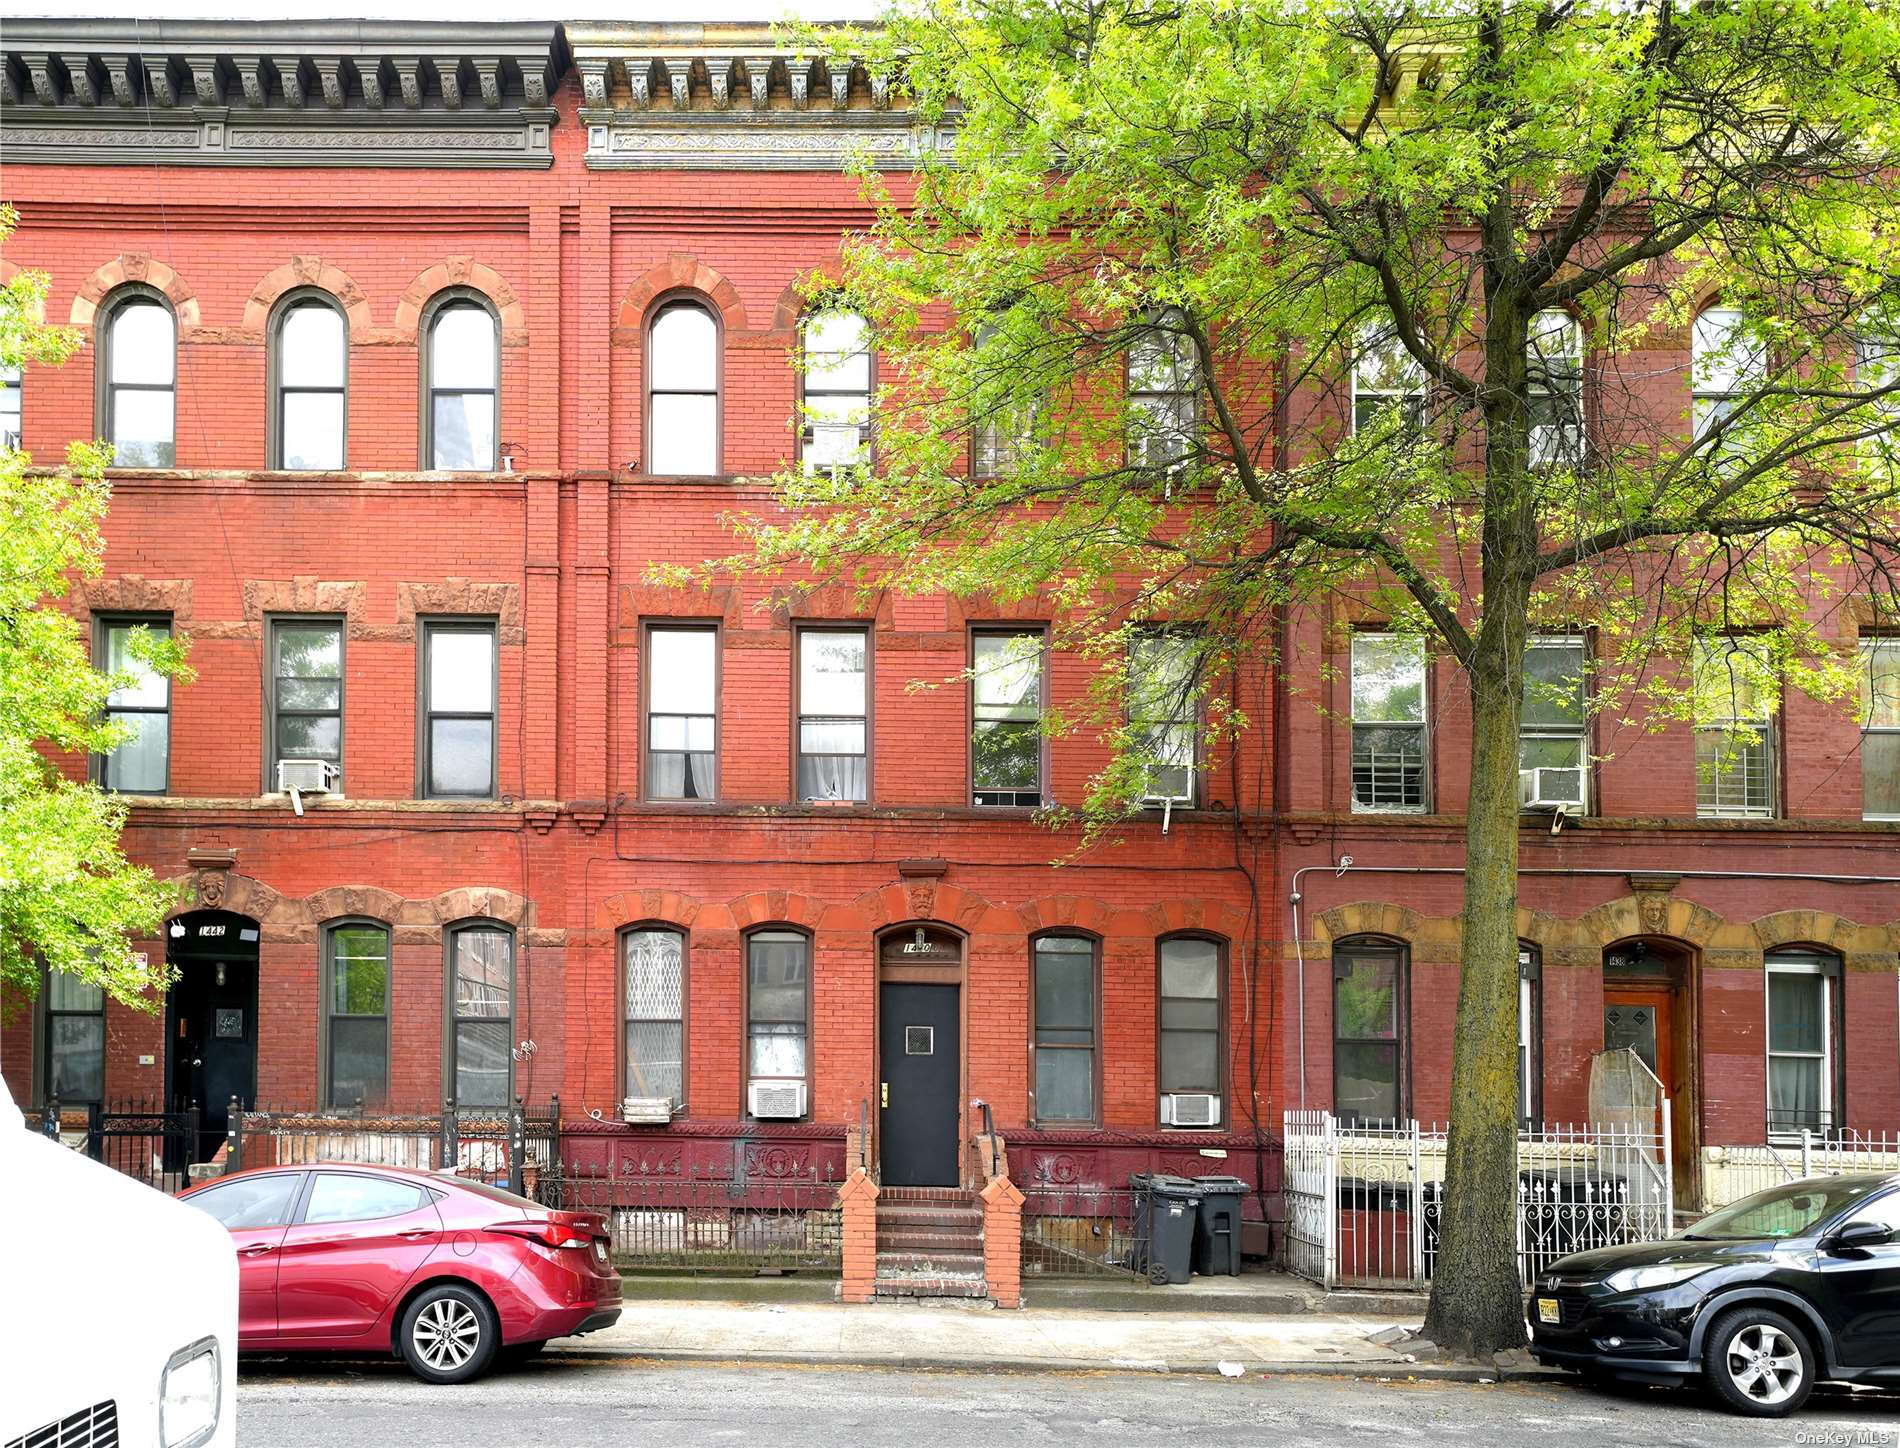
{"x": 291, "y": 93}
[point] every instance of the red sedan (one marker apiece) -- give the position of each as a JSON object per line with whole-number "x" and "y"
{"x": 448, "y": 1273}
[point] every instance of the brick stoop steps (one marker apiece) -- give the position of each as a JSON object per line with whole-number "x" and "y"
{"x": 929, "y": 1243}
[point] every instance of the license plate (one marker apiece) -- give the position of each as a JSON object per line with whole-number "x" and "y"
{"x": 1547, "y": 1310}
{"x": 600, "y": 1252}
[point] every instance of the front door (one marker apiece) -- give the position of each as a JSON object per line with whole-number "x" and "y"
{"x": 1638, "y": 1018}
{"x": 920, "y": 1056}
{"x": 212, "y": 1019}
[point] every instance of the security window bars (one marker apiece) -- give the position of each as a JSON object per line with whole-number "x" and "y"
{"x": 1802, "y": 1049}
{"x": 481, "y": 1037}
{"x": 837, "y": 391}
{"x": 1164, "y": 393}
{"x": 778, "y": 1000}
{"x": 306, "y": 691}
{"x": 1554, "y": 358}
{"x": 312, "y": 364}
{"x": 1006, "y": 723}
{"x": 1164, "y": 712}
{"x": 1065, "y": 1027}
{"x": 10, "y": 411}
{"x": 1388, "y": 723}
{"x": 1880, "y": 737}
{"x": 683, "y": 392}
{"x": 1727, "y": 364}
{"x": 464, "y": 387}
{"x": 356, "y": 1004}
{"x": 140, "y": 382}
{"x": 654, "y": 967}
{"x": 1388, "y": 385}
{"x": 1551, "y": 751}
{"x": 141, "y": 762}
{"x": 682, "y": 717}
{"x": 75, "y": 1038}
{"x": 458, "y": 725}
{"x": 833, "y": 717}
{"x": 1734, "y": 734}
{"x": 1368, "y": 1031}
{"x": 1189, "y": 1049}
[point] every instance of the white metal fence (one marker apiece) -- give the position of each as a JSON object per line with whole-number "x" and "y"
{"x": 1364, "y": 1201}
{"x": 1730, "y": 1173}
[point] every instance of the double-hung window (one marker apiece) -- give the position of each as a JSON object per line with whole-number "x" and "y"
{"x": 458, "y": 713}
{"x": 1006, "y": 717}
{"x": 1734, "y": 734}
{"x": 1388, "y": 723}
{"x": 1063, "y": 1031}
{"x": 481, "y": 1014}
{"x": 356, "y": 1014}
{"x": 1188, "y": 1053}
{"x": 306, "y": 696}
{"x": 463, "y": 387}
{"x": 311, "y": 367}
{"x": 1164, "y": 392}
{"x": 1001, "y": 429}
{"x": 1726, "y": 364}
{"x": 139, "y": 371}
{"x": 837, "y": 390}
{"x": 833, "y": 713}
{"x": 141, "y": 762}
{"x": 75, "y": 1038}
{"x": 778, "y": 1005}
{"x": 653, "y": 963}
{"x": 1880, "y": 736}
{"x": 1552, "y": 756}
{"x": 682, "y": 711}
{"x": 1877, "y": 367}
{"x": 1554, "y": 358}
{"x": 10, "y": 411}
{"x": 1368, "y": 1030}
{"x": 1803, "y": 1048}
{"x": 683, "y": 391}
{"x": 1164, "y": 712}
{"x": 1386, "y": 379}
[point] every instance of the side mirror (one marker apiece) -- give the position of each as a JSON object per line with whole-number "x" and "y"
{"x": 1857, "y": 1236}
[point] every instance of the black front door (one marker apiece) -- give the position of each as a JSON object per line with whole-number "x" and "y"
{"x": 212, "y": 1020}
{"x": 920, "y": 1054}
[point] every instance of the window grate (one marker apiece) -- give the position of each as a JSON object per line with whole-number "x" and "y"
{"x": 1389, "y": 778}
{"x": 94, "y": 1427}
{"x": 1735, "y": 772}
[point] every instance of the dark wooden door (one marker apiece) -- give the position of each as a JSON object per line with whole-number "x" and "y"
{"x": 920, "y": 1055}
{"x": 214, "y": 1043}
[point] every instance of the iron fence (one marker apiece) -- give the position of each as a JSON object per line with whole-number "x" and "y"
{"x": 147, "y": 1139}
{"x": 1365, "y": 1201}
{"x": 1073, "y": 1231}
{"x": 1730, "y": 1173}
{"x": 706, "y": 1219}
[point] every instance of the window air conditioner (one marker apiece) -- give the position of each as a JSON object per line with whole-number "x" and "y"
{"x": 1550, "y": 788}
{"x": 769, "y": 1100}
{"x": 308, "y": 776}
{"x": 647, "y": 1110}
{"x": 1190, "y": 1108}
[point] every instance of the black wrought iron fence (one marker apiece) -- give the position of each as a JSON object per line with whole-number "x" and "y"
{"x": 1071, "y": 1231}
{"x": 143, "y": 1137}
{"x": 706, "y": 1219}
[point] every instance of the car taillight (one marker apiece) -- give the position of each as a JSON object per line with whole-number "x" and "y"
{"x": 550, "y": 1232}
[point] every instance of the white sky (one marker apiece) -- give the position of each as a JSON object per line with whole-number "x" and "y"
{"x": 689, "y": 10}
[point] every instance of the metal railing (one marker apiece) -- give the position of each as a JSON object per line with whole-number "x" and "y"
{"x": 1365, "y": 1201}
{"x": 1074, "y": 1231}
{"x": 143, "y": 1138}
{"x": 1730, "y": 1173}
{"x": 706, "y": 1219}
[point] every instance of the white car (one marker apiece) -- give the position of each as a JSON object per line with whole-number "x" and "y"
{"x": 118, "y": 1319}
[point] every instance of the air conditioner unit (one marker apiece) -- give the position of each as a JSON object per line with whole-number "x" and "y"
{"x": 776, "y": 1100}
{"x": 1550, "y": 788}
{"x": 833, "y": 445}
{"x": 298, "y": 777}
{"x": 647, "y": 1110}
{"x": 1190, "y": 1108}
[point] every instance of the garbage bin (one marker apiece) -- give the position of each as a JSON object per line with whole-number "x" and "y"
{"x": 1217, "y": 1232}
{"x": 1166, "y": 1209}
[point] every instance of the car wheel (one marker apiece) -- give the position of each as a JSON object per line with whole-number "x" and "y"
{"x": 449, "y": 1334}
{"x": 1758, "y": 1362}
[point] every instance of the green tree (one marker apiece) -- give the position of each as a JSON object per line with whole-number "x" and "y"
{"x": 69, "y": 899}
{"x": 1168, "y": 234}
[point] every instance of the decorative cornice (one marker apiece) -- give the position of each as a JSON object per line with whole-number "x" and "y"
{"x": 294, "y": 93}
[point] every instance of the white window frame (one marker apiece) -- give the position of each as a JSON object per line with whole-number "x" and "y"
{"x": 1868, "y": 648}
{"x": 1548, "y": 732}
{"x": 1802, "y": 963}
{"x": 1724, "y": 365}
{"x": 1558, "y": 442}
{"x": 1728, "y": 728}
{"x": 1378, "y": 340}
{"x": 1422, "y": 726}
{"x": 12, "y": 407}
{"x": 1164, "y": 393}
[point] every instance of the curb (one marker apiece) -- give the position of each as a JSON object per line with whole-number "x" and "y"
{"x": 924, "y": 1363}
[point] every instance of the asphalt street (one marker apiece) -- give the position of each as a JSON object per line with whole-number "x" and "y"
{"x": 578, "y": 1404}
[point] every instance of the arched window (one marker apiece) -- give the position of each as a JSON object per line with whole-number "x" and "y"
{"x": 1384, "y": 376}
{"x": 839, "y": 375}
{"x": 1727, "y": 363}
{"x": 1554, "y": 358}
{"x": 1064, "y": 1029}
{"x": 309, "y": 381}
{"x": 1190, "y": 1054}
{"x": 1804, "y": 1041}
{"x": 461, "y": 384}
{"x": 138, "y": 370}
{"x": 478, "y": 1045}
{"x": 653, "y": 969}
{"x": 1369, "y": 1019}
{"x": 778, "y": 1016}
{"x": 1164, "y": 392}
{"x": 682, "y": 369}
{"x": 355, "y": 1015}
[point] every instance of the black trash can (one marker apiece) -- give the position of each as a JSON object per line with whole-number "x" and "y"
{"x": 1166, "y": 1209}
{"x": 1217, "y": 1232}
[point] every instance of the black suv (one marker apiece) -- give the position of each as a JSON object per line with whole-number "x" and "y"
{"x": 1763, "y": 1298}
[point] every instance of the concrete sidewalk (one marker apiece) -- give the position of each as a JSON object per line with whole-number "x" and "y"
{"x": 979, "y": 1338}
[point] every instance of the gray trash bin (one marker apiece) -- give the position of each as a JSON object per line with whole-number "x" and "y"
{"x": 1166, "y": 1209}
{"x": 1217, "y": 1230}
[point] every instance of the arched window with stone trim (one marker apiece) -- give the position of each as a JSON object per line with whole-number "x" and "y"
{"x": 138, "y": 377}
{"x": 353, "y": 1062}
{"x": 684, "y": 356}
{"x": 653, "y": 996}
{"x": 479, "y": 1015}
{"x": 461, "y": 382}
{"x": 1803, "y": 1000}
{"x": 1369, "y": 1029}
{"x": 309, "y": 382}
